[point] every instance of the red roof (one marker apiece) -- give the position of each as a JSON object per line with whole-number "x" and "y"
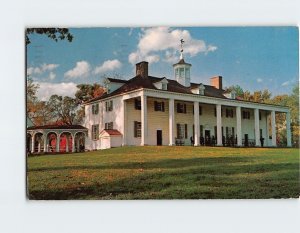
{"x": 57, "y": 127}
{"x": 112, "y": 132}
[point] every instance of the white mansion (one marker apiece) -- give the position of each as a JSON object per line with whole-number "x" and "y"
{"x": 147, "y": 110}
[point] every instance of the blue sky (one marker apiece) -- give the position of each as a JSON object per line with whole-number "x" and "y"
{"x": 255, "y": 58}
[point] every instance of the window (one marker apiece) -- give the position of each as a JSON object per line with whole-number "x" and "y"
{"x": 159, "y": 106}
{"x": 182, "y": 131}
{"x": 109, "y": 125}
{"x": 177, "y": 72}
{"x": 137, "y": 104}
{"x": 137, "y": 129}
{"x": 229, "y": 113}
{"x": 181, "y": 72}
{"x": 95, "y": 109}
{"x": 260, "y": 116}
{"x": 95, "y": 132}
{"x": 187, "y": 72}
{"x": 109, "y": 106}
{"x": 181, "y": 108}
{"x": 164, "y": 86}
{"x": 246, "y": 115}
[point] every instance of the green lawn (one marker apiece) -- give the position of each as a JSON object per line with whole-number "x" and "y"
{"x": 166, "y": 173}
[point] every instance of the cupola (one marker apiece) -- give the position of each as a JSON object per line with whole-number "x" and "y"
{"x": 182, "y": 70}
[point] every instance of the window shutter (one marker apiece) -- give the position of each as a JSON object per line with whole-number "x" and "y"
{"x": 163, "y": 106}
{"x": 194, "y": 131}
{"x": 178, "y": 107}
{"x": 155, "y": 105}
{"x": 184, "y": 108}
{"x": 185, "y": 130}
{"x": 200, "y": 110}
{"x": 233, "y": 131}
{"x": 226, "y": 112}
{"x": 178, "y": 126}
{"x": 215, "y": 112}
{"x": 135, "y": 129}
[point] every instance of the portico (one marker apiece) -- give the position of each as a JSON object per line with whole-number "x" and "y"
{"x": 249, "y": 121}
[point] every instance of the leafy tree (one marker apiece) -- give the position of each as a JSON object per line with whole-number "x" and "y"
{"x": 86, "y": 92}
{"x": 64, "y": 109}
{"x": 53, "y": 33}
{"x": 238, "y": 90}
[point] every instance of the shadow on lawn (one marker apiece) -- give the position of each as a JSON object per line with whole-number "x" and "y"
{"x": 166, "y": 163}
{"x": 198, "y": 178}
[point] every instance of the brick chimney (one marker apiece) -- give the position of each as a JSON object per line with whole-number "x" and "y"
{"x": 142, "y": 69}
{"x": 216, "y": 82}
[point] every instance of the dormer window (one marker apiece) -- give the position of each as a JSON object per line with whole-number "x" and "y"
{"x": 201, "y": 89}
{"x": 164, "y": 86}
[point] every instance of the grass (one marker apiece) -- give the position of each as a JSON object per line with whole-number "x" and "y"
{"x": 166, "y": 173}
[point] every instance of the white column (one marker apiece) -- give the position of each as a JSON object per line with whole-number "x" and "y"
{"x": 73, "y": 142}
{"x": 196, "y": 123}
{"x": 256, "y": 125}
{"x": 288, "y": 129}
{"x": 45, "y": 143}
{"x": 124, "y": 123}
{"x": 273, "y": 125}
{"x": 67, "y": 143}
{"x": 267, "y": 129}
{"x": 39, "y": 147}
{"x": 239, "y": 126}
{"x": 144, "y": 120}
{"x": 171, "y": 122}
{"x": 219, "y": 125}
{"x": 32, "y": 143}
{"x": 57, "y": 142}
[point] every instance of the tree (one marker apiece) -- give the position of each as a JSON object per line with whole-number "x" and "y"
{"x": 239, "y": 92}
{"x": 64, "y": 109}
{"x": 86, "y": 92}
{"x": 53, "y": 33}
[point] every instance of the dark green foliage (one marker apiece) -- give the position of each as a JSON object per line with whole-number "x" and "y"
{"x": 53, "y": 33}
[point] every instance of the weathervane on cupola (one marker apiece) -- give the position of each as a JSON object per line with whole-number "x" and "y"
{"x": 181, "y": 51}
{"x": 182, "y": 69}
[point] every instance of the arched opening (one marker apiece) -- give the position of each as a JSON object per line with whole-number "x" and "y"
{"x": 38, "y": 143}
{"x": 51, "y": 142}
{"x": 80, "y": 142}
{"x": 65, "y": 142}
{"x": 28, "y": 143}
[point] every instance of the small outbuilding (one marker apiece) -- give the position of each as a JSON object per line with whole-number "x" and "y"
{"x": 110, "y": 138}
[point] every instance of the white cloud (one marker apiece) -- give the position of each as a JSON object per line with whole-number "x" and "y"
{"x": 153, "y": 40}
{"x": 52, "y": 75}
{"x": 108, "y": 65}
{"x": 47, "y": 89}
{"x": 259, "y": 80}
{"x": 82, "y": 69}
{"x": 286, "y": 83}
{"x": 41, "y": 69}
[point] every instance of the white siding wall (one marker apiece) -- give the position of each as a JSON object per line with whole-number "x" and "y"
{"x": 115, "y": 116}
